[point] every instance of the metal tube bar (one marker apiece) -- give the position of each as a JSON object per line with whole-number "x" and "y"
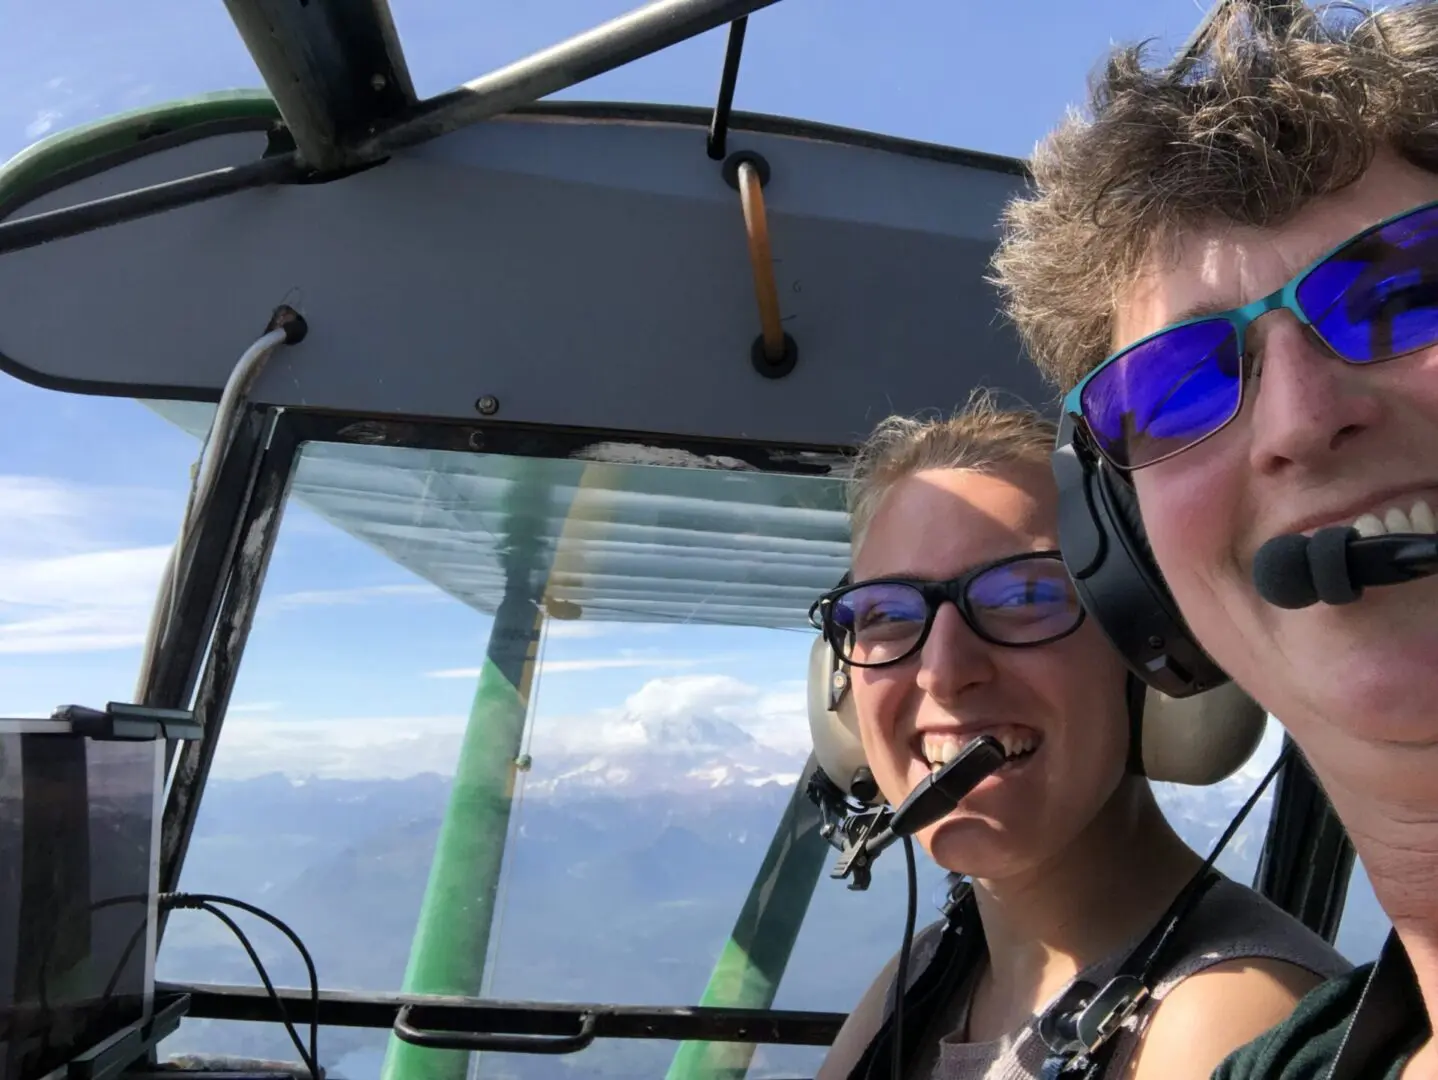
{"x": 346, "y": 1008}
{"x": 334, "y": 67}
{"x": 37, "y": 229}
{"x": 753, "y": 960}
{"x": 719, "y": 125}
{"x": 452, "y": 935}
{"x": 639, "y": 33}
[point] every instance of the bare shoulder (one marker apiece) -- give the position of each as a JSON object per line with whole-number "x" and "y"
{"x": 1213, "y": 1012}
{"x": 859, "y": 1028}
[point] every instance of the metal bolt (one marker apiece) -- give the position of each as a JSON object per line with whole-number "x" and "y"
{"x": 379, "y": 82}
{"x": 523, "y": 762}
{"x": 1155, "y": 642}
{"x": 487, "y": 405}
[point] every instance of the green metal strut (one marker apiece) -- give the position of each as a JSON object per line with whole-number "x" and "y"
{"x": 753, "y": 960}
{"x": 451, "y": 940}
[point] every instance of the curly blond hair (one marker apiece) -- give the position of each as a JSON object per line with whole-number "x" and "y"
{"x": 981, "y": 436}
{"x": 1270, "y": 114}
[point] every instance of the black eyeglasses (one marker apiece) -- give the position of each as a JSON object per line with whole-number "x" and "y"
{"x": 1019, "y": 601}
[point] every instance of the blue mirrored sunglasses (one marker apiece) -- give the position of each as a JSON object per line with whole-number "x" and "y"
{"x": 1372, "y": 298}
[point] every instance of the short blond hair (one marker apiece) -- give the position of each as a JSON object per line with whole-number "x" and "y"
{"x": 980, "y": 437}
{"x": 1269, "y": 115}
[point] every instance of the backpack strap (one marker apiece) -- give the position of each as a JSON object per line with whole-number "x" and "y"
{"x": 960, "y": 946}
{"x": 1079, "y": 1028}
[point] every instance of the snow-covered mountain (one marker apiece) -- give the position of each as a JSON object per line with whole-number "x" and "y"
{"x": 667, "y": 753}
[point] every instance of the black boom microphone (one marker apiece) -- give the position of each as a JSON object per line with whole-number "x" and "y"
{"x": 938, "y": 794}
{"x": 1336, "y": 564}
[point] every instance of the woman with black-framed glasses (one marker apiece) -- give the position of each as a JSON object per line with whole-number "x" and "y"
{"x": 958, "y": 618}
{"x": 1022, "y": 599}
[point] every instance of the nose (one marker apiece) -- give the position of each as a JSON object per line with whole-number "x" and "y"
{"x": 954, "y": 659}
{"x": 1307, "y": 404}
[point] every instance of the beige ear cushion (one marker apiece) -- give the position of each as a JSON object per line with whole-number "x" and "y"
{"x": 1203, "y": 739}
{"x": 1198, "y": 740}
{"x": 837, "y": 747}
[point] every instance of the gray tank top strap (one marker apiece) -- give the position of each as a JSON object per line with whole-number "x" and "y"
{"x": 1230, "y": 922}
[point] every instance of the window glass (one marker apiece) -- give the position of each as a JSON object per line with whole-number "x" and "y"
{"x": 1364, "y": 925}
{"x": 1201, "y": 814}
{"x": 384, "y": 783}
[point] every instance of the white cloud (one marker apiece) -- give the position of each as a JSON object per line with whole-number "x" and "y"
{"x": 73, "y": 579}
{"x": 593, "y": 663}
{"x": 65, "y": 586}
{"x": 660, "y": 716}
{"x": 253, "y": 707}
{"x": 562, "y": 630}
{"x": 661, "y": 711}
{"x": 359, "y": 594}
{"x": 44, "y": 121}
{"x": 343, "y": 749}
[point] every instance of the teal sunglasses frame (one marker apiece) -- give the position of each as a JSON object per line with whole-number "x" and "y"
{"x": 1284, "y": 298}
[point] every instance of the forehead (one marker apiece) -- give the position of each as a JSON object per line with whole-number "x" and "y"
{"x": 938, "y": 522}
{"x": 1221, "y": 265}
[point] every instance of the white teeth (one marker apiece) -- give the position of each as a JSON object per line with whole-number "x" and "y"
{"x": 940, "y": 749}
{"x": 1396, "y": 521}
{"x": 1015, "y": 744}
{"x": 1422, "y": 518}
{"x": 1419, "y": 519}
{"x": 1369, "y": 525}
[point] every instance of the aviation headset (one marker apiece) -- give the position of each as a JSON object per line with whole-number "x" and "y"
{"x": 1113, "y": 569}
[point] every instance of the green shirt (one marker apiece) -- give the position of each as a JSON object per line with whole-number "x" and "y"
{"x": 1305, "y": 1045}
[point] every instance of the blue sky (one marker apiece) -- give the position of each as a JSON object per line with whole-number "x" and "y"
{"x": 355, "y": 667}
{"x": 91, "y": 488}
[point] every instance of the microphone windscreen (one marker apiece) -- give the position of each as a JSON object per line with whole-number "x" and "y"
{"x": 1328, "y": 565}
{"x": 1281, "y": 573}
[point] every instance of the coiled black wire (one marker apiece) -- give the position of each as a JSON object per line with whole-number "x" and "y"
{"x": 208, "y": 902}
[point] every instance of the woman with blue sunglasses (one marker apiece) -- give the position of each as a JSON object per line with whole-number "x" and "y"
{"x": 1232, "y": 269}
{"x": 959, "y": 619}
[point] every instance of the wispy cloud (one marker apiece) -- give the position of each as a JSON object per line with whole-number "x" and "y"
{"x": 44, "y": 121}
{"x": 359, "y": 594}
{"x": 253, "y": 707}
{"x": 656, "y": 717}
{"x": 64, "y": 585}
{"x": 593, "y": 663}
{"x": 586, "y": 629}
{"x": 389, "y": 747}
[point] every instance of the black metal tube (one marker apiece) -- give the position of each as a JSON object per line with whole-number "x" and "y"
{"x": 37, "y": 229}
{"x": 719, "y": 125}
{"x": 647, "y": 30}
{"x": 341, "y": 1008}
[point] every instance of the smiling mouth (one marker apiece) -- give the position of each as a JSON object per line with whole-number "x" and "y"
{"x": 1402, "y": 515}
{"x": 937, "y": 749}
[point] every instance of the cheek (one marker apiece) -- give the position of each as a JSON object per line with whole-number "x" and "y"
{"x": 1188, "y": 522}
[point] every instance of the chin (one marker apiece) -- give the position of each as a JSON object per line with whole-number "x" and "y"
{"x": 1372, "y": 667}
{"x": 976, "y": 847}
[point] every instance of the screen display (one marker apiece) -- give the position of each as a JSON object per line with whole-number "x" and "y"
{"x": 79, "y": 847}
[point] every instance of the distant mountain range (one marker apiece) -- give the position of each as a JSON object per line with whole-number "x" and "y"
{"x": 624, "y": 873}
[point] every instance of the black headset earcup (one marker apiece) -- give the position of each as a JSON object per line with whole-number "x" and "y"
{"x": 1106, "y": 550}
